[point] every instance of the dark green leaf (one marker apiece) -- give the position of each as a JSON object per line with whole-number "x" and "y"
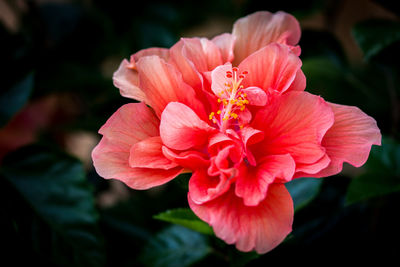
{"x": 303, "y": 190}
{"x": 55, "y": 188}
{"x": 187, "y": 218}
{"x": 175, "y": 246}
{"x": 375, "y": 35}
{"x": 382, "y": 173}
{"x": 13, "y": 99}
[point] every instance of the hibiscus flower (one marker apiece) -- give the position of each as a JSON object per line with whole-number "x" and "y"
{"x": 232, "y": 110}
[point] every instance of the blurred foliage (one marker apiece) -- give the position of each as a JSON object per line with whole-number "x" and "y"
{"x": 52, "y": 206}
{"x": 175, "y": 246}
{"x": 185, "y": 217}
{"x": 382, "y": 173}
{"x": 14, "y": 98}
{"x": 62, "y": 222}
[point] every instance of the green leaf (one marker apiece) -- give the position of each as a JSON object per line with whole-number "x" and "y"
{"x": 13, "y": 99}
{"x": 375, "y": 35}
{"x": 382, "y": 173}
{"x": 175, "y": 246}
{"x": 64, "y": 223}
{"x": 303, "y": 191}
{"x": 187, "y": 218}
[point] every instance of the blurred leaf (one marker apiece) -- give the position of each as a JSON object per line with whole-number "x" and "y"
{"x": 175, "y": 246}
{"x": 13, "y": 99}
{"x": 382, "y": 174}
{"x": 339, "y": 83}
{"x": 375, "y": 35}
{"x": 187, "y": 218}
{"x": 303, "y": 190}
{"x": 326, "y": 77}
{"x": 54, "y": 186}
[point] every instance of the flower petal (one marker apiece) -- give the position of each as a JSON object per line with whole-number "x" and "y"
{"x": 188, "y": 159}
{"x": 129, "y": 125}
{"x": 259, "y": 228}
{"x": 204, "y": 187}
{"x": 293, "y": 123}
{"x": 148, "y": 154}
{"x": 126, "y": 77}
{"x": 182, "y": 129}
{"x": 310, "y": 169}
{"x": 219, "y": 80}
{"x": 253, "y": 182}
{"x": 256, "y": 96}
{"x": 273, "y": 68}
{"x": 203, "y": 53}
{"x": 162, "y": 83}
{"x": 262, "y": 28}
{"x": 194, "y": 56}
{"x": 349, "y": 139}
{"x": 299, "y": 82}
{"x": 225, "y": 43}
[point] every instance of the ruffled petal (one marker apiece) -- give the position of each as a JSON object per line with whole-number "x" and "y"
{"x": 181, "y": 128}
{"x": 162, "y": 83}
{"x": 253, "y": 182}
{"x": 256, "y": 96}
{"x": 129, "y": 125}
{"x": 293, "y": 123}
{"x": 259, "y": 228}
{"x": 148, "y": 154}
{"x": 195, "y": 56}
{"x": 204, "y": 187}
{"x": 262, "y": 28}
{"x": 202, "y": 53}
{"x": 191, "y": 159}
{"x": 126, "y": 78}
{"x": 310, "y": 169}
{"x": 273, "y": 68}
{"x": 299, "y": 82}
{"x": 349, "y": 139}
{"x": 225, "y": 42}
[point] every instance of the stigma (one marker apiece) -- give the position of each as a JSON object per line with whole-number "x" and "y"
{"x": 231, "y": 101}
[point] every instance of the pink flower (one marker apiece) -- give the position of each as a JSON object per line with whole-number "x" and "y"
{"x": 243, "y": 131}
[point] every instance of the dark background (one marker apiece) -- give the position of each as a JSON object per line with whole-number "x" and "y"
{"x": 57, "y": 60}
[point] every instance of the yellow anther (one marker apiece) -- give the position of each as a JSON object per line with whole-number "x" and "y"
{"x": 245, "y": 95}
{"x": 241, "y": 127}
{"x": 242, "y": 108}
{"x": 219, "y": 100}
{"x": 219, "y": 112}
{"x": 234, "y": 115}
{"x": 240, "y": 98}
{"x": 211, "y": 115}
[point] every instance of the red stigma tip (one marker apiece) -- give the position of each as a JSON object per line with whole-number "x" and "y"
{"x": 235, "y": 69}
{"x": 241, "y": 76}
{"x": 228, "y": 75}
{"x": 245, "y": 72}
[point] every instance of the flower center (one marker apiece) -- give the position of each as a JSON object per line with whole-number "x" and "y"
{"x": 232, "y": 101}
